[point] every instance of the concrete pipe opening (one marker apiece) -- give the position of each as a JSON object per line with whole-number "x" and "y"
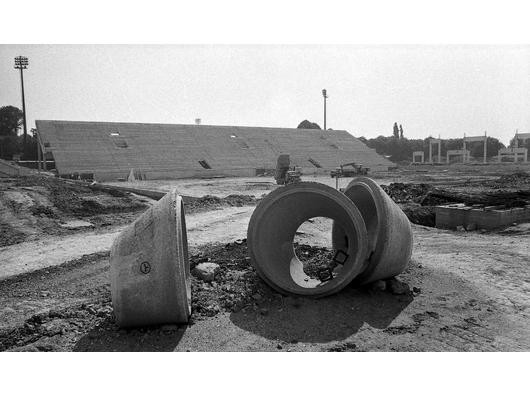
{"x": 150, "y": 274}
{"x": 389, "y": 231}
{"x": 312, "y": 246}
{"x": 273, "y": 227}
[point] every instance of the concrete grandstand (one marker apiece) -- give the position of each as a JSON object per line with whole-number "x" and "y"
{"x": 110, "y": 151}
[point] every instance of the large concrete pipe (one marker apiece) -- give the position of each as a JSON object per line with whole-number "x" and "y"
{"x": 389, "y": 231}
{"x": 149, "y": 267}
{"x": 272, "y": 229}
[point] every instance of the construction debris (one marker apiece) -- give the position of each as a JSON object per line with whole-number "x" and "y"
{"x": 406, "y": 192}
{"x": 419, "y": 201}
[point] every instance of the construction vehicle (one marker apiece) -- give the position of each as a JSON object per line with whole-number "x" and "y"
{"x": 343, "y": 171}
{"x": 285, "y": 174}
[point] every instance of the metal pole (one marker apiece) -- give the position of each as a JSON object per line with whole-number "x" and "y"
{"x": 39, "y": 163}
{"x": 325, "y": 114}
{"x": 325, "y": 95}
{"x": 464, "y": 150}
{"x": 485, "y": 145}
{"x": 439, "y": 149}
{"x": 23, "y": 108}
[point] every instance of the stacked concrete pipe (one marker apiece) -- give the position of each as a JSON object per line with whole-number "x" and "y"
{"x": 150, "y": 273}
{"x": 389, "y": 231}
{"x": 272, "y": 228}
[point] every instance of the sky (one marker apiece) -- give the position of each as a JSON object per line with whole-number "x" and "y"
{"x": 430, "y": 90}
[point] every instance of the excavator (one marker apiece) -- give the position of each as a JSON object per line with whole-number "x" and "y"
{"x": 343, "y": 171}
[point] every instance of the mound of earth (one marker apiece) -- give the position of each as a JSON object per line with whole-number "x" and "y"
{"x": 34, "y": 206}
{"x": 210, "y": 202}
{"x": 517, "y": 180}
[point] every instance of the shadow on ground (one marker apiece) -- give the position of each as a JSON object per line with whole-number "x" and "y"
{"x": 328, "y": 319}
{"x": 106, "y": 337}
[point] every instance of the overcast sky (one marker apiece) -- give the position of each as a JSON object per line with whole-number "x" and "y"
{"x": 430, "y": 90}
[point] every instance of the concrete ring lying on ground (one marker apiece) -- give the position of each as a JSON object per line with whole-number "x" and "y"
{"x": 389, "y": 231}
{"x": 149, "y": 267}
{"x": 272, "y": 229}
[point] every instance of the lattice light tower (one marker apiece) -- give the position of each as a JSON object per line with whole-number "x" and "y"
{"x": 21, "y": 63}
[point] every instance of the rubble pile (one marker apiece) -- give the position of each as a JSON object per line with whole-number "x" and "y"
{"x": 418, "y": 200}
{"x": 406, "y": 192}
{"x": 411, "y": 199}
{"x": 234, "y": 286}
{"x": 317, "y": 260}
{"x": 56, "y": 330}
{"x": 517, "y": 180}
{"x": 422, "y": 215}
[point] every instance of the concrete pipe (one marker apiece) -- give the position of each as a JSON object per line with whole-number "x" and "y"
{"x": 389, "y": 231}
{"x": 272, "y": 229}
{"x": 149, "y": 267}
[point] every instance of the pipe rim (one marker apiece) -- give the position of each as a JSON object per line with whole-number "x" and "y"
{"x": 379, "y": 246}
{"x": 181, "y": 253}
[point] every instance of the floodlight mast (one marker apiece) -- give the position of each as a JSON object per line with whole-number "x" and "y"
{"x": 21, "y": 63}
{"x": 325, "y": 95}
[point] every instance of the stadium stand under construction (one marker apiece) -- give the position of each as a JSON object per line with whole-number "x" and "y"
{"x": 109, "y": 151}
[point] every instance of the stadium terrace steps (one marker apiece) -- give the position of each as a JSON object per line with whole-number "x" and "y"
{"x": 159, "y": 151}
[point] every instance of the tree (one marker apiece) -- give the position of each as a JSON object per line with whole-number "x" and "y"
{"x": 400, "y": 131}
{"x": 10, "y": 120}
{"x": 492, "y": 148}
{"x": 308, "y": 125}
{"x": 396, "y": 130}
{"x": 520, "y": 143}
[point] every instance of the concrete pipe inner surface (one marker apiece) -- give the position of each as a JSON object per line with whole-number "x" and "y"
{"x": 150, "y": 275}
{"x": 272, "y": 230}
{"x": 365, "y": 201}
{"x": 389, "y": 231}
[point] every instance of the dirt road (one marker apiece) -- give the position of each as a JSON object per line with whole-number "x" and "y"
{"x": 222, "y": 225}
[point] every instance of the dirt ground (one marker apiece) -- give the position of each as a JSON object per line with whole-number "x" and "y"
{"x": 464, "y": 291}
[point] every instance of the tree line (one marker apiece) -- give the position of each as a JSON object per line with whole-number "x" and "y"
{"x": 399, "y": 149}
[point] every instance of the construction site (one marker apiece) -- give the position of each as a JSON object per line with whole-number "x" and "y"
{"x": 166, "y": 237}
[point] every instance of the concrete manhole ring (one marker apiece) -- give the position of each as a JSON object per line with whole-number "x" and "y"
{"x": 272, "y": 229}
